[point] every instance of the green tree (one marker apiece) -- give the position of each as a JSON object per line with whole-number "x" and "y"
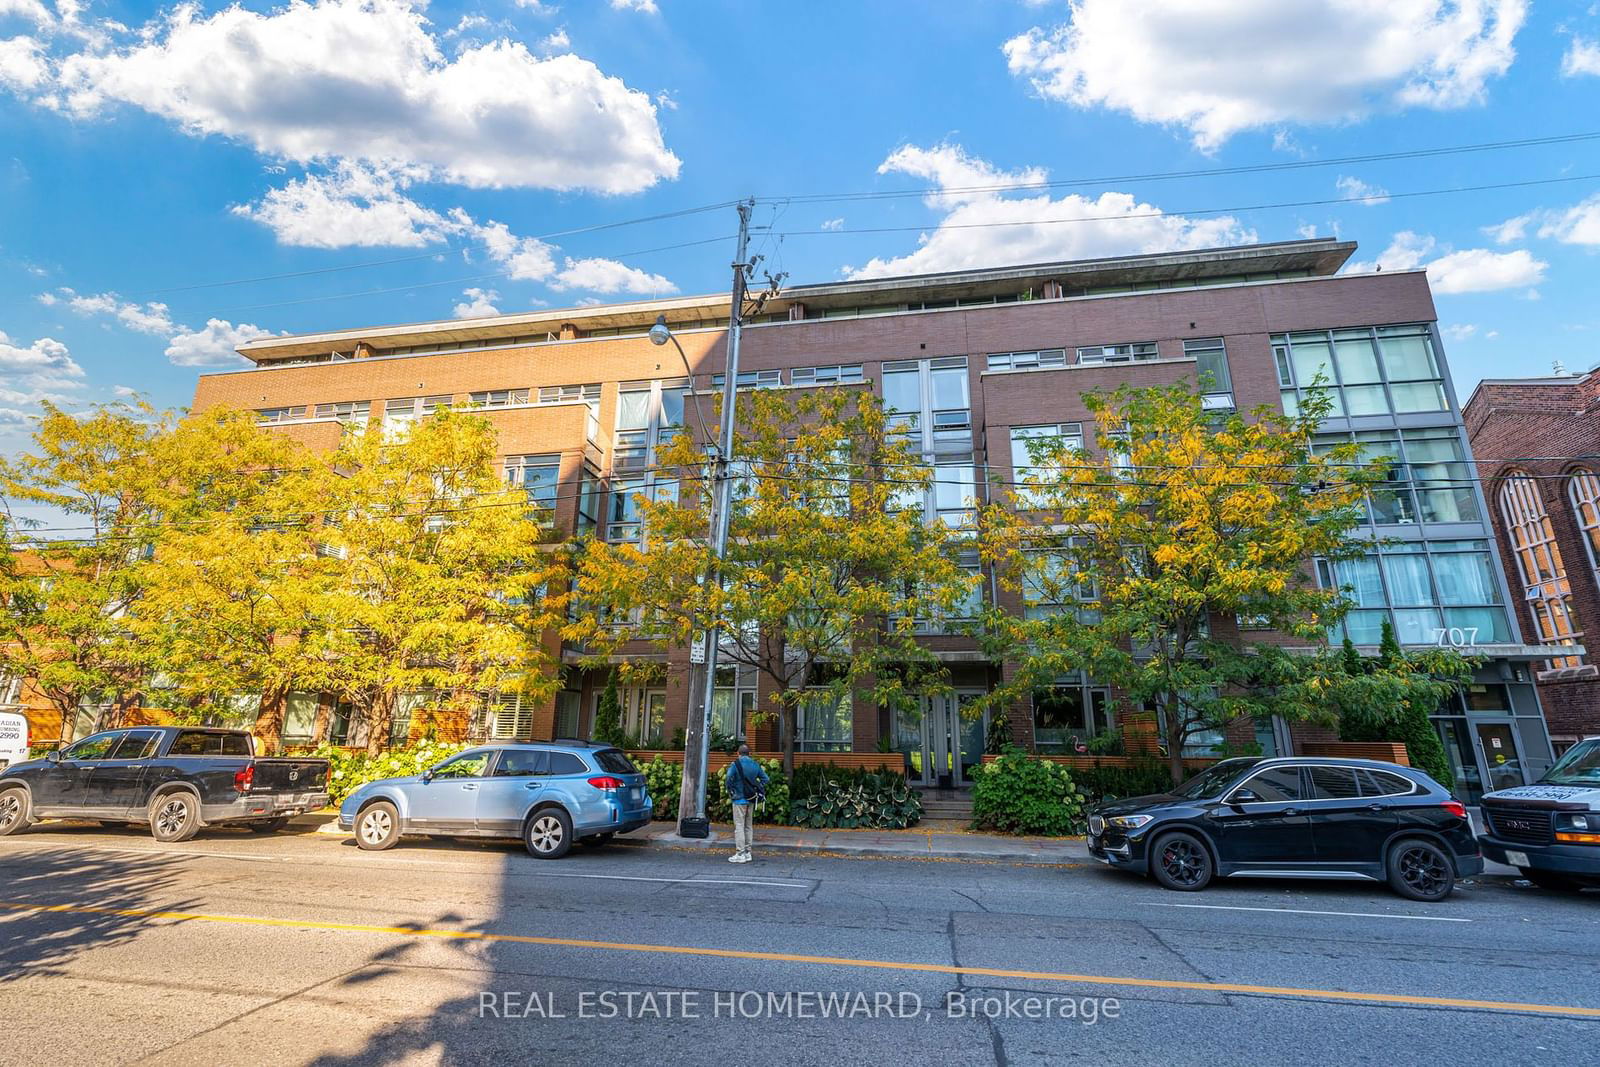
{"x": 68, "y": 594}
{"x": 1137, "y": 555}
{"x": 440, "y": 578}
{"x": 830, "y": 563}
{"x": 1391, "y": 697}
{"x": 608, "y": 716}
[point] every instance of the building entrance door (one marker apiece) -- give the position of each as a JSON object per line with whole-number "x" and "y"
{"x": 940, "y": 744}
{"x": 1502, "y": 763}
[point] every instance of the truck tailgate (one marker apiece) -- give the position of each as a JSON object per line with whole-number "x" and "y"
{"x": 290, "y": 775}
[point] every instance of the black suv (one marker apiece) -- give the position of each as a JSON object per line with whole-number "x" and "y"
{"x": 1294, "y": 817}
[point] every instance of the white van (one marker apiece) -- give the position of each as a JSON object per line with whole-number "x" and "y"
{"x": 13, "y": 739}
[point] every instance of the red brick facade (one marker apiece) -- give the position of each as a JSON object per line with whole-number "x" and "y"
{"x": 1548, "y": 428}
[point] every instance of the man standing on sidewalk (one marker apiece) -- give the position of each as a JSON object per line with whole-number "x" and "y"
{"x": 747, "y": 787}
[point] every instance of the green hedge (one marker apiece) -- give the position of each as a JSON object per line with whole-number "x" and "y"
{"x": 1139, "y": 777}
{"x": 1021, "y": 794}
{"x": 350, "y": 769}
{"x": 665, "y": 779}
{"x": 812, "y": 779}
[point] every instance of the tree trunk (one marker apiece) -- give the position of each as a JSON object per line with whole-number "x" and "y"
{"x": 378, "y": 716}
{"x": 1175, "y": 735}
{"x": 270, "y": 714}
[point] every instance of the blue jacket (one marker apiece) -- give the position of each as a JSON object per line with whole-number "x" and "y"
{"x": 735, "y": 782}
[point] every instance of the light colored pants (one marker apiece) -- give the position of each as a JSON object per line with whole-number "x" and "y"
{"x": 742, "y": 816}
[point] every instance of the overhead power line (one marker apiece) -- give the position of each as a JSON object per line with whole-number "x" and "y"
{"x": 1169, "y": 175}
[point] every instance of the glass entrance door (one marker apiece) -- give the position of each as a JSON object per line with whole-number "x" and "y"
{"x": 1502, "y": 763}
{"x": 941, "y": 746}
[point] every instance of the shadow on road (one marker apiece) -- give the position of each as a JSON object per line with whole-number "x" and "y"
{"x": 35, "y": 879}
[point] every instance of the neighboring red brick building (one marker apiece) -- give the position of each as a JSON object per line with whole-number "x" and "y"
{"x": 985, "y": 359}
{"x": 1537, "y": 442}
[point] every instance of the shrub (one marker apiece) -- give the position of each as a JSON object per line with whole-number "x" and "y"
{"x": 349, "y": 769}
{"x": 665, "y": 780}
{"x": 1020, "y": 794}
{"x": 608, "y": 717}
{"x": 1139, "y": 777}
{"x": 870, "y": 801}
{"x": 811, "y": 779}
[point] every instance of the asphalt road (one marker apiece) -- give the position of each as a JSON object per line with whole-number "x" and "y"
{"x": 300, "y": 948}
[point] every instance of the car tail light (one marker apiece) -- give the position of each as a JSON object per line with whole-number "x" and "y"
{"x": 244, "y": 779}
{"x": 1456, "y": 808}
{"x": 605, "y": 781}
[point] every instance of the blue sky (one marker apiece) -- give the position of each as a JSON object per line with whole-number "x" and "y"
{"x": 149, "y": 153}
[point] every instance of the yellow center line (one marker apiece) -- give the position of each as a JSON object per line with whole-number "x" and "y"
{"x": 826, "y": 961}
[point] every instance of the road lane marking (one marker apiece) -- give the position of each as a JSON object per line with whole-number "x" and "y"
{"x": 1389, "y": 999}
{"x": 1308, "y": 911}
{"x": 399, "y": 861}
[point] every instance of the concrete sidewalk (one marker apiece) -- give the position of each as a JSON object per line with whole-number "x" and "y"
{"x": 912, "y": 844}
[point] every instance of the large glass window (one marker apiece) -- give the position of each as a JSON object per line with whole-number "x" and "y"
{"x": 1583, "y": 489}
{"x": 299, "y": 717}
{"x": 1068, "y": 713}
{"x": 1545, "y": 588}
{"x": 1432, "y": 593}
{"x": 1211, "y": 368}
{"x": 1378, "y": 371}
{"x": 825, "y": 721}
{"x": 1428, "y": 477}
{"x": 538, "y": 476}
{"x": 1029, "y": 476}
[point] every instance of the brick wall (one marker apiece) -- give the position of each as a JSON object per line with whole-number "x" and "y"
{"x": 1546, "y": 428}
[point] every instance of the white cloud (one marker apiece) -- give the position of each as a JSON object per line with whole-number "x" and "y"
{"x": 524, "y": 258}
{"x": 1352, "y": 188}
{"x": 32, "y": 11}
{"x": 537, "y": 7}
{"x": 479, "y": 303}
{"x": 151, "y": 318}
{"x": 1576, "y": 225}
{"x": 1308, "y": 230}
{"x": 609, "y": 276}
{"x": 559, "y": 40}
{"x": 212, "y": 344}
{"x": 833, "y": 224}
{"x": 124, "y": 391}
{"x": 1583, "y": 57}
{"x": 982, "y": 227}
{"x": 647, "y": 7}
{"x": 44, "y": 364}
{"x": 355, "y": 206}
{"x": 367, "y": 80}
{"x": 1460, "y": 331}
{"x": 1470, "y": 270}
{"x": 665, "y": 100}
{"x": 1218, "y": 68}
{"x": 22, "y": 64}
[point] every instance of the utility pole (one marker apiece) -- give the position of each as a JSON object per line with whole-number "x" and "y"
{"x": 692, "y": 820}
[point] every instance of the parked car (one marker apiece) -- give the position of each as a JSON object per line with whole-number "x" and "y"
{"x": 13, "y": 739}
{"x": 1550, "y": 830}
{"x": 548, "y": 794}
{"x": 1294, "y": 817}
{"x": 175, "y": 779}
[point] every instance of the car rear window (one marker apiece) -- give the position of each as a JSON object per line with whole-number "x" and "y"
{"x": 1385, "y": 784}
{"x": 201, "y": 743}
{"x": 1332, "y": 783}
{"x": 566, "y": 763}
{"x": 616, "y": 761}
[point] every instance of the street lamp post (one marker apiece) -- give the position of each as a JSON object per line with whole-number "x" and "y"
{"x": 692, "y": 820}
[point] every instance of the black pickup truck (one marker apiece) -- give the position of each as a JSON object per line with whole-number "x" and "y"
{"x": 175, "y": 779}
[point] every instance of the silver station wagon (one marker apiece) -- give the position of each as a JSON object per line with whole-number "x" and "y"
{"x": 547, "y": 793}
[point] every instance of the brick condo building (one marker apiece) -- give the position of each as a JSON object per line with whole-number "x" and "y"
{"x": 985, "y": 359}
{"x": 1537, "y": 442}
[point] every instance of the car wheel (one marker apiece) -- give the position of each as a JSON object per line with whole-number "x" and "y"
{"x": 378, "y": 826}
{"x": 597, "y": 840}
{"x": 268, "y": 826}
{"x": 14, "y": 808}
{"x": 1556, "y": 883}
{"x": 548, "y": 834}
{"x": 174, "y": 816}
{"x": 1420, "y": 870}
{"x": 1181, "y": 861}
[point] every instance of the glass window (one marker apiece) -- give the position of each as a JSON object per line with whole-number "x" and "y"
{"x": 567, "y": 763}
{"x": 1357, "y": 362}
{"x": 955, "y": 488}
{"x": 299, "y": 716}
{"x": 522, "y": 763}
{"x": 538, "y": 476}
{"x": 1310, "y": 359}
{"x": 672, "y": 394}
{"x": 93, "y": 747}
{"x": 204, "y": 743}
{"x": 1539, "y": 564}
{"x": 1583, "y": 489}
{"x": 467, "y": 765}
{"x": 1126, "y": 353}
{"x": 633, "y": 407}
{"x": 1466, "y": 578}
{"x": 1332, "y": 783}
{"x": 1066, "y": 715}
{"x": 949, "y": 386}
{"x": 1407, "y": 576}
{"x": 826, "y": 721}
{"x": 1276, "y": 784}
{"x": 1383, "y": 784}
{"x": 1407, "y": 353}
{"x": 1418, "y": 396}
{"x": 498, "y": 398}
{"x": 615, "y": 761}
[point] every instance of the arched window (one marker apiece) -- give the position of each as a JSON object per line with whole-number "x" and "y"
{"x": 1583, "y": 489}
{"x": 1544, "y": 575}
